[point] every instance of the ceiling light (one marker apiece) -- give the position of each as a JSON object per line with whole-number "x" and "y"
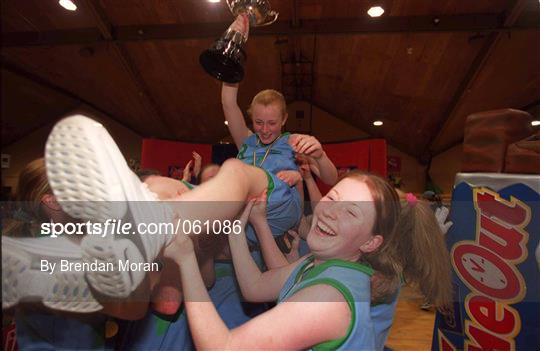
{"x": 68, "y": 5}
{"x": 377, "y": 123}
{"x": 535, "y": 123}
{"x": 375, "y": 11}
{"x": 214, "y": 1}
{"x": 226, "y": 123}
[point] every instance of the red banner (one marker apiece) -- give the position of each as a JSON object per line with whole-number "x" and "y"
{"x": 367, "y": 155}
{"x": 165, "y": 156}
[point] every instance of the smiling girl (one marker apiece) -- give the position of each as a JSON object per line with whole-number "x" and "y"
{"x": 267, "y": 147}
{"x": 324, "y": 300}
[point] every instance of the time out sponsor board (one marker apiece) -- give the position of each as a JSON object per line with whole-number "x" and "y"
{"x": 496, "y": 275}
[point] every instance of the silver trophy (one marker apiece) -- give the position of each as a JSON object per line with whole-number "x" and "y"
{"x": 225, "y": 59}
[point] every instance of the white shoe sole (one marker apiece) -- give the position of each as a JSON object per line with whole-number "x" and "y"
{"x": 23, "y": 280}
{"x": 85, "y": 170}
{"x": 81, "y": 172}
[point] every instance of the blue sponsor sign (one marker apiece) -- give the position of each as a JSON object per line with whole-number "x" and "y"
{"x": 492, "y": 243}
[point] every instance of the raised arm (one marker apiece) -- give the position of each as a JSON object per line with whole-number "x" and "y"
{"x": 235, "y": 119}
{"x": 197, "y": 165}
{"x": 255, "y": 285}
{"x": 186, "y": 174}
{"x": 313, "y": 190}
{"x": 311, "y": 316}
{"x": 273, "y": 257}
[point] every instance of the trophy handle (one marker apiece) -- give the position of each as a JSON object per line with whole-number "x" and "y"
{"x": 271, "y": 13}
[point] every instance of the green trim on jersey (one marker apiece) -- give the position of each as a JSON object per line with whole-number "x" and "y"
{"x": 242, "y": 153}
{"x": 271, "y": 186}
{"x": 280, "y": 136}
{"x": 336, "y": 343}
{"x": 339, "y": 263}
{"x": 307, "y": 271}
{"x": 162, "y": 322}
{"x": 161, "y": 325}
{"x": 316, "y": 270}
{"x": 189, "y": 185}
{"x": 224, "y": 272}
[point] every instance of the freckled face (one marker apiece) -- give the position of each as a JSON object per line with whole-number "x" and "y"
{"x": 343, "y": 222}
{"x": 267, "y": 121}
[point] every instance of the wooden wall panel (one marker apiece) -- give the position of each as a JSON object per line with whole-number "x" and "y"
{"x": 407, "y": 80}
{"x": 27, "y": 106}
{"x": 511, "y": 78}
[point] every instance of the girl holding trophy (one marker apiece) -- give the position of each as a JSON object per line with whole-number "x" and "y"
{"x": 267, "y": 147}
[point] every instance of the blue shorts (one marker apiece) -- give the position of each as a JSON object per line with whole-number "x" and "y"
{"x": 283, "y": 209}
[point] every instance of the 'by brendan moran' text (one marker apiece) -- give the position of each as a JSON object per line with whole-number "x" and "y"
{"x": 96, "y": 266}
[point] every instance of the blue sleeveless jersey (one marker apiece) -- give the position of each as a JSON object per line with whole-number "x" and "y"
{"x": 155, "y": 332}
{"x": 284, "y": 206}
{"x": 369, "y": 325}
{"x": 48, "y": 331}
{"x": 279, "y": 158}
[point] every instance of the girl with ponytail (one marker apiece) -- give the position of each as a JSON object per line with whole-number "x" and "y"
{"x": 364, "y": 242}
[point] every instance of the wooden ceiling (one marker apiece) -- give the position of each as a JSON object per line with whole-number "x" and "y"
{"x": 421, "y": 68}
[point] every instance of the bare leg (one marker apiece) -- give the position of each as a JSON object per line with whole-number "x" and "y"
{"x": 223, "y": 196}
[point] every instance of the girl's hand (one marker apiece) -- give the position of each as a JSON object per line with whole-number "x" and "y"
{"x": 244, "y": 217}
{"x": 441, "y": 213}
{"x": 290, "y": 177}
{"x": 306, "y": 144}
{"x": 187, "y": 172}
{"x": 305, "y": 171}
{"x": 310, "y": 162}
{"x": 258, "y": 209}
{"x": 198, "y": 163}
{"x": 241, "y": 24}
{"x": 293, "y": 255}
{"x": 180, "y": 247}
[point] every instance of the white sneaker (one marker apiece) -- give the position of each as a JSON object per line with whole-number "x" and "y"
{"x": 92, "y": 181}
{"x": 25, "y": 279}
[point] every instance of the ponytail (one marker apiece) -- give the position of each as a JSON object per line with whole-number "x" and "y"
{"x": 413, "y": 248}
{"x": 420, "y": 247}
{"x": 32, "y": 186}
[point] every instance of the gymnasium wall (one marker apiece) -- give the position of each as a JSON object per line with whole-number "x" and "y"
{"x": 329, "y": 128}
{"x": 33, "y": 145}
{"x": 324, "y": 125}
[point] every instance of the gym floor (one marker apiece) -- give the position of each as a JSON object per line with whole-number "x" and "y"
{"x": 413, "y": 327}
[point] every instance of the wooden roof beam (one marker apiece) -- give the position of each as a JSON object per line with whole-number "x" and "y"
{"x": 442, "y": 23}
{"x": 390, "y": 24}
